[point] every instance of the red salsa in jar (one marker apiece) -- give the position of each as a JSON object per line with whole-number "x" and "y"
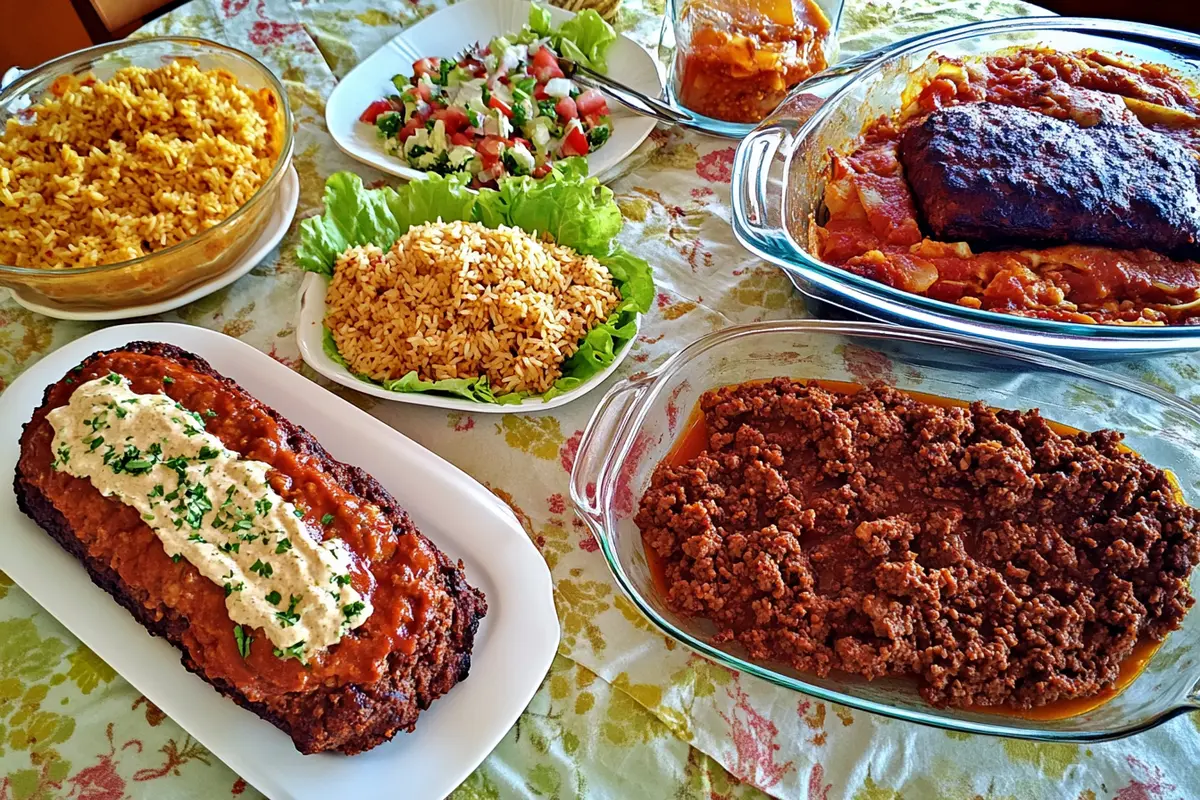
{"x": 737, "y": 59}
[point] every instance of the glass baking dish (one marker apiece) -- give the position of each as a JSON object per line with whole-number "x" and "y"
{"x": 173, "y": 270}
{"x": 638, "y": 421}
{"x": 779, "y": 178}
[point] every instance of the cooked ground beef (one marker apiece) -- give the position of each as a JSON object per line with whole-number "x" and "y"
{"x": 980, "y": 551}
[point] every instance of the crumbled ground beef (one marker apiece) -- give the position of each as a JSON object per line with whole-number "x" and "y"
{"x": 992, "y": 558}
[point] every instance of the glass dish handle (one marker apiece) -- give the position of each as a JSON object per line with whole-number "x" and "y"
{"x": 758, "y": 157}
{"x": 606, "y": 432}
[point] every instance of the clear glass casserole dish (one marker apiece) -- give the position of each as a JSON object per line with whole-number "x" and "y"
{"x": 173, "y": 270}
{"x": 638, "y": 422}
{"x": 780, "y": 169}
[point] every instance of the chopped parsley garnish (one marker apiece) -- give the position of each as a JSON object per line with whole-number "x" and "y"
{"x": 231, "y": 547}
{"x": 64, "y": 455}
{"x": 273, "y": 598}
{"x": 157, "y": 491}
{"x": 262, "y": 506}
{"x": 299, "y": 512}
{"x": 341, "y": 580}
{"x": 148, "y": 517}
{"x": 122, "y": 413}
{"x": 194, "y": 505}
{"x": 112, "y": 377}
{"x": 95, "y": 443}
{"x": 296, "y": 651}
{"x": 177, "y": 557}
{"x": 283, "y": 546}
{"x": 168, "y": 380}
{"x": 229, "y": 497}
{"x": 208, "y": 412}
{"x": 328, "y": 518}
{"x": 208, "y": 453}
{"x": 244, "y": 523}
{"x": 289, "y": 618}
{"x": 231, "y": 588}
{"x": 195, "y": 537}
{"x": 262, "y": 568}
{"x": 352, "y": 610}
{"x": 243, "y": 640}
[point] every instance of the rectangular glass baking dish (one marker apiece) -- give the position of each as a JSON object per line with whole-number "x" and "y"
{"x": 779, "y": 177}
{"x": 638, "y": 421}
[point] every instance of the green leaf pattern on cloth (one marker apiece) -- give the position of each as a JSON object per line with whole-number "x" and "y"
{"x": 623, "y": 712}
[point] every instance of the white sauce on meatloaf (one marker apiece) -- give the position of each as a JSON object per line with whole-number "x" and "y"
{"x": 215, "y": 509}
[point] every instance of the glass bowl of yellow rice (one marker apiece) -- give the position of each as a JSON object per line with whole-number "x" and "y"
{"x": 133, "y": 172}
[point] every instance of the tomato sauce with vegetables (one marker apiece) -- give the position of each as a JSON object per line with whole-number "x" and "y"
{"x": 737, "y": 59}
{"x": 873, "y": 228}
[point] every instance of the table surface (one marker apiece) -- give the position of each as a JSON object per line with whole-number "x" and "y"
{"x": 623, "y": 713}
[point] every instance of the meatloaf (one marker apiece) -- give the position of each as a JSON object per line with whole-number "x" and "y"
{"x": 351, "y": 696}
{"x": 993, "y": 558}
{"x": 995, "y": 174}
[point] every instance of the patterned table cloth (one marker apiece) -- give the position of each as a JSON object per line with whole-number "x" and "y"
{"x": 623, "y": 712}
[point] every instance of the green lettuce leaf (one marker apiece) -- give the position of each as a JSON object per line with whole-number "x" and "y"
{"x": 585, "y": 38}
{"x": 589, "y": 36}
{"x": 575, "y": 209}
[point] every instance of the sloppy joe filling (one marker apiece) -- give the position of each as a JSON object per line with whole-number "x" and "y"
{"x": 995, "y": 559}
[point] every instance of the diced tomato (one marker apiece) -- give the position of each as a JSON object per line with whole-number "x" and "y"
{"x": 539, "y": 92}
{"x": 592, "y": 121}
{"x": 575, "y": 143}
{"x": 517, "y": 140}
{"x": 413, "y": 125}
{"x": 490, "y": 150}
{"x": 495, "y": 102}
{"x": 592, "y": 104}
{"x": 375, "y": 109}
{"x": 545, "y": 65}
{"x": 423, "y": 91}
{"x": 455, "y": 119}
{"x": 541, "y": 171}
{"x": 461, "y": 139}
{"x": 426, "y": 66}
{"x": 565, "y": 108}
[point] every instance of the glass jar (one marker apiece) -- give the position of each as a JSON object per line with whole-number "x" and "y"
{"x": 735, "y": 60}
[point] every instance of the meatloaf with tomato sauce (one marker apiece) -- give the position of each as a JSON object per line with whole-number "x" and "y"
{"x": 982, "y": 552}
{"x": 354, "y": 695}
{"x": 1045, "y": 184}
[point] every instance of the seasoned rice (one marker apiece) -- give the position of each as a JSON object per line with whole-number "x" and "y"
{"x": 99, "y": 172}
{"x": 460, "y": 300}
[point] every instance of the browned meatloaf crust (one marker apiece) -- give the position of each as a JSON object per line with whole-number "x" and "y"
{"x": 979, "y": 551}
{"x": 995, "y": 174}
{"x": 346, "y": 717}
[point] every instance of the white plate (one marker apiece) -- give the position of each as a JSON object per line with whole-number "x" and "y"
{"x": 513, "y": 649}
{"x": 277, "y": 225}
{"x": 310, "y": 335}
{"x": 446, "y": 33}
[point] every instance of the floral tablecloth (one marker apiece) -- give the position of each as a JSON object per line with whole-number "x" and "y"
{"x": 623, "y": 713}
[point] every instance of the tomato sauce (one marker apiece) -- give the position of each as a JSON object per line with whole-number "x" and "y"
{"x": 872, "y": 228}
{"x": 737, "y": 59}
{"x": 693, "y": 441}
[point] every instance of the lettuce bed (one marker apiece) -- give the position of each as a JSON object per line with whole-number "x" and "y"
{"x": 576, "y": 210}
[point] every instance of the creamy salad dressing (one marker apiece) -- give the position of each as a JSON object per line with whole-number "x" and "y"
{"x": 215, "y": 509}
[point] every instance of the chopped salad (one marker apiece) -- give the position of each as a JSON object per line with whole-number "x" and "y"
{"x": 502, "y": 109}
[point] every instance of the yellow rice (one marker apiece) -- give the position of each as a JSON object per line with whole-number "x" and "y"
{"x": 460, "y": 300}
{"x": 98, "y": 172}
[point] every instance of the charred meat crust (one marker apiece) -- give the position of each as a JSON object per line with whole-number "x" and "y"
{"x": 996, "y": 174}
{"x": 349, "y": 718}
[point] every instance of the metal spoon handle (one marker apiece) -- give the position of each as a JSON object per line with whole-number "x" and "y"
{"x": 631, "y": 98}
